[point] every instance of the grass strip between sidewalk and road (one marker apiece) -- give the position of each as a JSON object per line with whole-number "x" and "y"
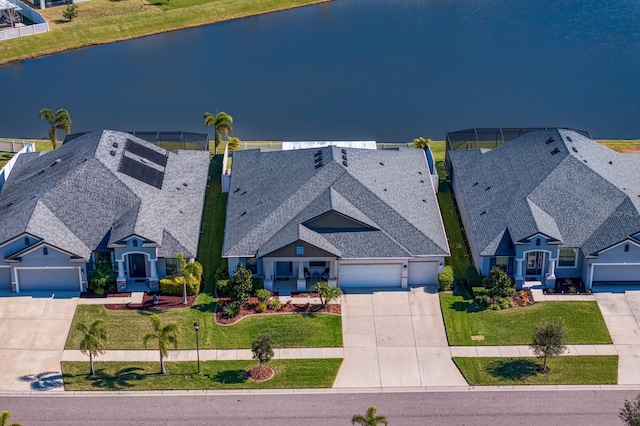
{"x": 107, "y": 21}
{"x": 138, "y": 376}
{"x": 127, "y": 328}
{"x": 564, "y": 370}
{"x": 515, "y": 326}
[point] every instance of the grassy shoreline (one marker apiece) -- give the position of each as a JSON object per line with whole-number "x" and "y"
{"x": 109, "y": 21}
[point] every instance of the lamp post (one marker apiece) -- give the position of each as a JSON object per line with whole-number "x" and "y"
{"x": 196, "y": 326}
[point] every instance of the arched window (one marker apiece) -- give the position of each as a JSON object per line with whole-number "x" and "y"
{"x": 135, "y": 243}
{"x": 537, "y": 241}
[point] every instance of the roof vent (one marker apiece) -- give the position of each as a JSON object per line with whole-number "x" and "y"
{"x": 319, "y": 164}
{"x": 318, "y": 153}
{"x": 84, "y": 159}
{"x": 574, "y": 149}
{"x": 181, "y": 212}
{"x": 419, "y": 173}
{"x": 487, "y": 188}
{"x": 115, "y": 144}
{"x": 569, "y": 139}
{"x": 112, "y": 152}
{"x": 344, "y": 163}
{"x": 184, "y": 184}
{"x": 483, "y": 212}
{"x": 243, "y": 192}
{"x": 421, "y": 181}
{"x": 385, "y": 190}
{"x": 237, "y": 190}
{"x": 424, "y": 201}
{"x": 610, "y": 162}
{"x": 243, "y": 213}
{"x": 475, "y": 184}
{"x": 177, "y": 188}
{"x": 381, "y": 163}
{"x": 555, "y": 151}
{"x": 344, "y": 151}
{"x": 344, "y": 157}
{"x": 550, "y": 140}
{"x": 584, "y": 161}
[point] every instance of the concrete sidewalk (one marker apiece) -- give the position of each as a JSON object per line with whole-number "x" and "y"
{"x": 205, "y": 354}
{"x": 525, "y": 351}
{"x": 136, "y": 297}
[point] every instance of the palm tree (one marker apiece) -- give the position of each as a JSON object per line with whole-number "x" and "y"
{"x": 93, "y": 339}
{"x": 188, "y": 271}
{"x": 60, "y": 120}
{"x": 370, "y": 419}
{"x": 166, "y": 336}
{"x": 222, "y": 126}
{"x": 4, "y": 418}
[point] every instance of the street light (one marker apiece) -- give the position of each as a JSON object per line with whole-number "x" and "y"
{"x": 196, "y": 326}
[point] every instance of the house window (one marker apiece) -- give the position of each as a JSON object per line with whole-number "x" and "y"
{"x": 251, "y": 264}
{"x": 45, "y": 251}
{"x": 102, "y": 258}
{"x": 537, "y": 241}
{"x": 503, "y": 262}
{"x": 567, "y": 258}
{"x": 626, "y": 247}
{"x": 135, "y": 243}
{"x": 26, "y": 241}
{"x": 299, "y": 250}
{"x": 170, "y": 266}
{"x": 316, "y": 264}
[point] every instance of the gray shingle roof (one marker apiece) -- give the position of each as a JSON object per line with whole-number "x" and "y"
{"x": 273, "y": 192}
{"x": 584, "y": 195}
{"x": 74, "y": 196}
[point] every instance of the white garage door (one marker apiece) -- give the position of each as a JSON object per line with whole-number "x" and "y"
{"x": 48, "y": 279}
{"x": 5, "y": 278}
{"x": 616, "y": 273}
{"x": 421, "y": 273}
{"x": 373, "y": 275}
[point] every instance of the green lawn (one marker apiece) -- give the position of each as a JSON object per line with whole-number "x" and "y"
{"x": 565, "y": 370}
{"x": 132, "y": 376}
{"x": 127, "y": 328}
{"x": 106, "y": 21}
{"x": 514, "y": 326}
{"x": 4, "y": 158}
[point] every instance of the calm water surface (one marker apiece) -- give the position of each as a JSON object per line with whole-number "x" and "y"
{"x": 354, "y": 69}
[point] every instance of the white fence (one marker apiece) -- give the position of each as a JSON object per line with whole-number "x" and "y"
{"x": 4, "y": 173}
{"x": 40, "y": 24}
{"x": 13, "y": 146}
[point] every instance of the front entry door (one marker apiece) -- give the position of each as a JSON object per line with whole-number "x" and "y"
{"x": 535, "y": 261}
{"x": 284, "y": 269}
{"x": 137, "y": 266}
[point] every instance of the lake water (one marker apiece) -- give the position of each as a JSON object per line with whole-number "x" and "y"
{"x": 354, "y": 69}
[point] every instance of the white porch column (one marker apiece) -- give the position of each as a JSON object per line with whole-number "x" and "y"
{"x": 552, "y": 268}
{"x": 301, "y": 284}
{"x": 154, "y": 269}
{"x": 333, "y": 273}
{"x": 268, "y": 274}
{"x": 519, "y": 269}
{"x": 404, "y": 277}
{"x": 121, "y": 275}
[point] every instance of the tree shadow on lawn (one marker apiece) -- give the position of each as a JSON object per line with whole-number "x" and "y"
{"x": 230, "y": 377}
{"x": 205, "y": 307}
{"x": 121, "y": 380}
{"x": 467, "y": 306}
{"x": 513, "y": 369}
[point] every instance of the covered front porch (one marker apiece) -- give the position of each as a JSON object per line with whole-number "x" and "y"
{"x": 536, "y": 266}
{"x": 296, "y": 274}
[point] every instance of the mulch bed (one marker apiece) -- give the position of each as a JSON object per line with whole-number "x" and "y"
{"x": 164, "y": 302}
{"x": 572, "y": 286}
{"x": 89, "y": 295}
{"x": 523, "y": 298}
{"x": 250, "y": 308}
{"x": 304, "y": 294}
{"x": 256, "y": 375}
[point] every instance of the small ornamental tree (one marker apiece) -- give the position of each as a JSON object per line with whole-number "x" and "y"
{"x": 327, "y": 293}
{"x": 370, "y": 419}
{"x": 498, "y": 283}
{"x": 445, "y": 278}
{"x": 165, "y": 335}
{"x": 240, "y": 284}
{"x": 70, "y": 12}
{"x": 421, "y": 142}
{"x": 548, "y": 341}
{"x": 630, "y": 413}
{"x": 262, "y": 349}
{"x": 93, "y": 341}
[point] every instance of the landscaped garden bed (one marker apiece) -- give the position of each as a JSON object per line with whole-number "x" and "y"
{"x": 252, "y": 308}
{"x": 161, "y": 302}
{"x": 568, "y": 287}
{"x": 288, "y": 373}
{"x": 563, "y": 370}
{"x": 91, "y": 295}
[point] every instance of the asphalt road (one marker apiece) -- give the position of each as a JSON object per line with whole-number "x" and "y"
{"x": 493, "y": 408}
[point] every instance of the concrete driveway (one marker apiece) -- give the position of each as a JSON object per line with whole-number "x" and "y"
{"x": 33, "y": 331}
{"x": 395, "y": 339}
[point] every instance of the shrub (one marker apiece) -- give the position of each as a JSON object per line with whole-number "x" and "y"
{"x": 262, "y": 308}
{"x": 327, "y": 293}
{"x": 263, "y": 295}
{"x": 503, "y": 302}
{"x": 473, "y": 277}
{"x": 445, "y": 278}
{"x": 102, "y": 279}
{"x": 222, "y": 286}
{"x": 256, "y": 284}
{"x": 222, "y": 273}
{"x": 482, "y": 300}
{"x": 231, "y": 310}
{"x": 175, "y": 286}
{"x": 274, "y": 304}
{"x": 70, "y": 12}
{"x": 494, "y": 307}
{"x": 240, "y": 284}
{"x": 498, "y": 284}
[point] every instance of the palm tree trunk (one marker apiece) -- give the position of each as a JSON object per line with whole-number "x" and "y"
{"x": 162, "y": 369}
{"x": 92, "y": 371}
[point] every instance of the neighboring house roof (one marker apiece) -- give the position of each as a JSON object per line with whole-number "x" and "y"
{"x": 321, "y": 144}
{"x": 77, "y": 195}
{"x": 555, "y": 182}
{"x": 382, "y": 203}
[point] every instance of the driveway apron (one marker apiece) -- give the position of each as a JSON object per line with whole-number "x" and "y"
{"x": 395, "y": 339}
{"x": 33, "y": 331}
